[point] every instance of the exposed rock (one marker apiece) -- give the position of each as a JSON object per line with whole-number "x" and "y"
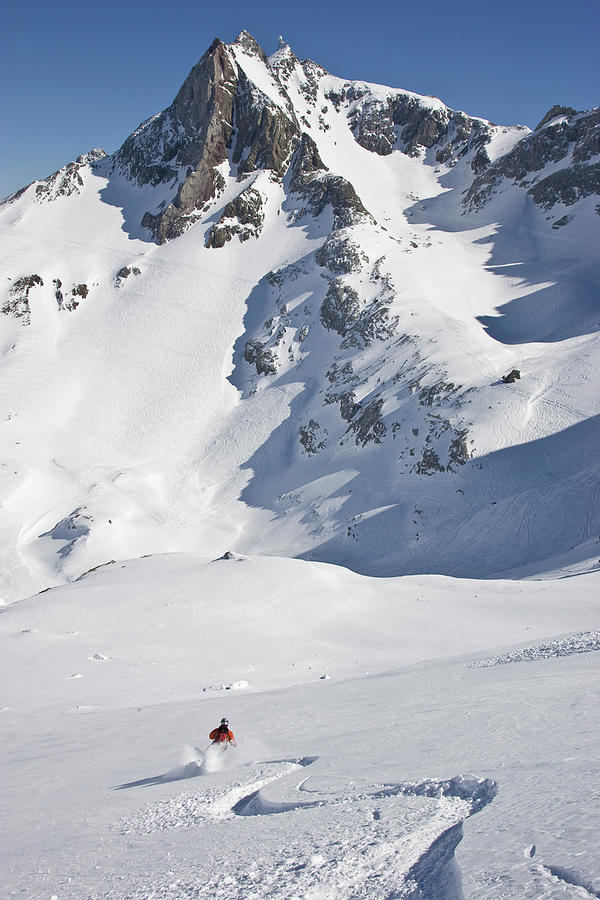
{"x": 322, "y": 190}
{"x": 309, "y": 438}
{"x": 373, "y": 126}
{"x": 567, "y": 186}
{"x": 340, "y": 375}
{"x": 190, "y": 136}
{"x": 265, "y": 137}
{"x": 340, "y": 255}
{"x": 58, "y": 294}
{"x": 367, "y": 424}
{"x": 373, "y": 324}
{"x": 364, "y": 418}
{"x": 429, "y": 462}
{"x": 251, "y": 46}
{"x": 572, "y": 140}
{"x": 340, "y": 308}
{"x": 63, "y": 183}
{"x": 560, "y": 223}
{"x": 260, "y": 356}
{"x": 307, "y": 161}
{"x": 512, "y": 376}
{"x": 458, "y": 452}
{"x": 554, "y": 113}
{"x": 79, "y": 290}
{"x": 246, "y": 210}
{"x": 375, "y": 123}
{"x": 124, "y": 273}
{"x": 436, "y": 394}
{"x": 284, "y": 61}
{"x": 186, "y": 143}
{"x": 18, "y": 304}
{"x": 480, "y": 161}
{"x": 92, "y": 156}
{"x": 335, "y": 191}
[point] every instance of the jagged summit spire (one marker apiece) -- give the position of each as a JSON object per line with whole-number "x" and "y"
{"x": 250, "y": 44}
{"x": 284, "y": 57}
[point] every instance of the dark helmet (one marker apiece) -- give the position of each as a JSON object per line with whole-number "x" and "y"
{"x": 224, "y": 721}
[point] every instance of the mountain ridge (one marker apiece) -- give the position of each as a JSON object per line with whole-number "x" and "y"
{"x": 293, "y": 298}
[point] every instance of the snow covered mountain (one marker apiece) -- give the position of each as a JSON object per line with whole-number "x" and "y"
{"x": 278, "y": 320}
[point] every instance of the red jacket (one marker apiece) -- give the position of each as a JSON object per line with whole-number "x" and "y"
{"x": 219, "y": 737}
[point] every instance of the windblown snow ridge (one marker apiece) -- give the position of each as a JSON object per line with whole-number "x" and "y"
{"x": 584, "y": 642}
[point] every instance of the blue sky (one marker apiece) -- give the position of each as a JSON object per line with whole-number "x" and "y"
{"x": 77, "y": 75}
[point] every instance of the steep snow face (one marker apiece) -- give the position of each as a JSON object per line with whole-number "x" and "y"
{"x": 278, "y": 319}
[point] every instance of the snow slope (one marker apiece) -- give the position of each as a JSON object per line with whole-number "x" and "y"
{"x": 408, "y": 772}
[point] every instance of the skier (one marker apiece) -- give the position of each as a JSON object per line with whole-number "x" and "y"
{"x": 222, "y": 736}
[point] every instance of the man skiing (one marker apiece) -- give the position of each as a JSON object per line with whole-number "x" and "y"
{"x": 222, "y": 736}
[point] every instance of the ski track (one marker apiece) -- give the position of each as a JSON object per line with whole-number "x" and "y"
{"x": 190, "y": 810}
{"x": 377, "y": 841}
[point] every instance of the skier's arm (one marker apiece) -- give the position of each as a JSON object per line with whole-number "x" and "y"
{"x": 232, "y": 739}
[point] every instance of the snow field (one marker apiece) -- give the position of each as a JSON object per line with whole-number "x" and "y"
{"x": 360, "y": 785}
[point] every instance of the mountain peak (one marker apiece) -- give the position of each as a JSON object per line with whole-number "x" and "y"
{"x": 250, "y": 45}
{"x": 556, "y": 111}
{"x": 284, "y": 58}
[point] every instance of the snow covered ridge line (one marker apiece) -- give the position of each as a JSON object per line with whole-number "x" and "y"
{"x": 584, "y": 642}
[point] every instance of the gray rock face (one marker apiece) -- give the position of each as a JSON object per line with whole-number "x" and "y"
{"x": 410, "y": 124}
{"x": 185, "y": 143}
{"x": 260, "y": 356}
{"x": 251, "y": 45}
{"x": 341, "y": 307}
{"x": 266, "y": 137}
{"x": 63, "y": 183}
{"x": 319, "y": 190}
{"x": 124, "y": 273}
{"x": 310, "y": 437}
{"x": 567, "y": 186}
{"x": 243, "y": 216}
{"x": 340, "y": 254}
{"x": 554, "y": 113}
{"x": 572, "y": 141}
{"x": 18, "y": 303}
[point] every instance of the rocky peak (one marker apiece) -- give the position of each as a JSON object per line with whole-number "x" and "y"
{"x": 186, "y": 142}
{"x": 92, "y": 156}
{"x": 554, "y": 113}
{"x": 248, "y": 43}
{"x": 284, "y": 60}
